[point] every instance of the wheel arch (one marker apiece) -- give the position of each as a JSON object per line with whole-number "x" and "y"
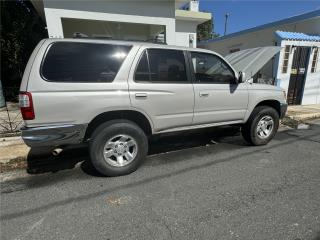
{"x": 267, "y": 102}
{"x": 135, "y": 116}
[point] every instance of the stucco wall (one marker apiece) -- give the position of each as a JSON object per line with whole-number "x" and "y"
{"x": 151, "y": 8}
{"x": 154, "y": 12}
{"x": 183, "y": 31}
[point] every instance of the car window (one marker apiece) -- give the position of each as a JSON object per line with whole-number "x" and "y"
{"x": 163, "y": 65}
{"x": 209, "y": 68}
{"x": 83, "y": 62}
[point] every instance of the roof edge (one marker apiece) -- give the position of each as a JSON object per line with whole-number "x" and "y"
{"x": 297, "y": 36}
{"x": 292, "y": 19}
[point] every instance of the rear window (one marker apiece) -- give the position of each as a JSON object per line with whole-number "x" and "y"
{"x": 83, "y": 62}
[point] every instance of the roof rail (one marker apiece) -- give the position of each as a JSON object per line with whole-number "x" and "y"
{"x": 82, "y": 35}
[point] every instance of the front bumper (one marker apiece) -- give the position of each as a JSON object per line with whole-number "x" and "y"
{"x": 53, "y": 136}
{"x": 283, "y": 109}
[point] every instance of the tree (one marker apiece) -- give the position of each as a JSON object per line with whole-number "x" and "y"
{"x": 205, "y": 31}
{"x": 21, "y": 30}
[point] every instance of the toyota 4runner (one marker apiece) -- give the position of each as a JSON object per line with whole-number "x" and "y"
{"x": 113, "y": 95}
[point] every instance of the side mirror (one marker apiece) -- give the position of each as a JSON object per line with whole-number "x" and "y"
{"x": 241, "y": 78}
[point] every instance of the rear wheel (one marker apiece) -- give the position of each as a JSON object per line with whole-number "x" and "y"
{"x": 118, "y": 147}
{"x": 261, "y": 126}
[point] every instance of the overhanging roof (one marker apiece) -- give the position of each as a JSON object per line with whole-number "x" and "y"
{"x": 293, "y": 19}
{"x": 295, "y": 36}
{"x": 199, "y": 17}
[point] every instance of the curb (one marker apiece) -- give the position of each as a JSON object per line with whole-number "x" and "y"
{"x": 294, "y": 121}
{"x": 13, "y": 164}
{"x": 13, "y": 154}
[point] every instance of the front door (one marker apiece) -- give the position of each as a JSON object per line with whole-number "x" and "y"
{"x": 161, "y": 88}
{"x": 217, "y": 97}
{"x": 298, "y": 75}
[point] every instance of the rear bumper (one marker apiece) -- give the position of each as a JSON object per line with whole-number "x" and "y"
{"x": 53, "y": 135}
{"x": 283, "y": 109}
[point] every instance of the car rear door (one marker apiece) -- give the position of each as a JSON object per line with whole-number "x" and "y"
{"x": 160, "y": 87}
{"x": 218, "y": 98}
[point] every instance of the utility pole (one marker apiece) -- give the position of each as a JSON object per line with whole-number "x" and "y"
{"x": 226, "y": 23}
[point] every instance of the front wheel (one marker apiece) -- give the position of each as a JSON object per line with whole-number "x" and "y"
{"x": 261, "y": 126}
{"x": 118, "y": 147}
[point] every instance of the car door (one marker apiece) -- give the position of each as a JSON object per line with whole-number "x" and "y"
{"x": 160, "y": 86}
{"x": 217, "y": 96}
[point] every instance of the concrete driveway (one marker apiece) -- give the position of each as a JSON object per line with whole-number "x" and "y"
{"x": 198, "y": 185}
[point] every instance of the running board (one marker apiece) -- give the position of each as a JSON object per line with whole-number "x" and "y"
{"x": 192, "y": 127}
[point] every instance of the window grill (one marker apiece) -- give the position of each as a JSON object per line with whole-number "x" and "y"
{"x": 286, "y": 59}
{"x": 315, "y": 60}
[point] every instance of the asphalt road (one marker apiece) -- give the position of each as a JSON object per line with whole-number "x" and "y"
{"x": 190, "y": 188}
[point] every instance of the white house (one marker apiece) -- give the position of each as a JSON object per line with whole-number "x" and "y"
{"x": 296, "y": 68}
{"x": 167, "y": 21}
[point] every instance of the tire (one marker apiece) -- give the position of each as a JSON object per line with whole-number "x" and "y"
{"x": 131, "y": 139}
{"x": 262, "y": 117}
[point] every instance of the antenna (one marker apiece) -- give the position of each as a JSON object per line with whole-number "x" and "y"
{"x": 226, "y": 23}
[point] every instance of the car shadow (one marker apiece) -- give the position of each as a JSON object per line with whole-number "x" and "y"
{"x": 41, "y": 160}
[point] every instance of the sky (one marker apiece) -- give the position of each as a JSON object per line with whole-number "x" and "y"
{"x": 248, "y": 14}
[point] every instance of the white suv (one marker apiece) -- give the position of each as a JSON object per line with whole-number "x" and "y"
{"x": 115, "y": 94}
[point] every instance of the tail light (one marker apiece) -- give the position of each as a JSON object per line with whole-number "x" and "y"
{"x": 26, "y": 106}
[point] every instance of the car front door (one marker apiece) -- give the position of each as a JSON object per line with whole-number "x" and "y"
{"x": 160, "y": 86}
{"x": 218, "y": 98}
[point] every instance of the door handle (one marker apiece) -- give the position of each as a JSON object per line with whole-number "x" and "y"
{"x": 204, "y": 94}
{"x": 141, "y": 95}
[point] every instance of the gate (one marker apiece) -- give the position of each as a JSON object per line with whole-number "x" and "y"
{"x": 298, "y": 75}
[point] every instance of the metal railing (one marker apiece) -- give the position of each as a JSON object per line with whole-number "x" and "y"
{"x": 10, "y": 116}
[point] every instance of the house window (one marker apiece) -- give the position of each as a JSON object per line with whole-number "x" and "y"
{"x": 315, "y": 60}
{"x": 286, "y": 59}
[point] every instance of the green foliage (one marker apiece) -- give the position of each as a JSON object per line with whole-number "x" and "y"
{"x": 205, "y": 31}
{"x": 21, "y": 30}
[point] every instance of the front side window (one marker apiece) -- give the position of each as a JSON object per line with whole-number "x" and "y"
{"x": 161, "y": 66}
{"x": 209, "y": 68}
{"x": 83, "y": 62}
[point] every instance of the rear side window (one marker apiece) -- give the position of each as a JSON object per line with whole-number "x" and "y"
{"x": 161, "y": 66}
{"x": 142, "y": 72}
{"x": 83, "y": 62}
